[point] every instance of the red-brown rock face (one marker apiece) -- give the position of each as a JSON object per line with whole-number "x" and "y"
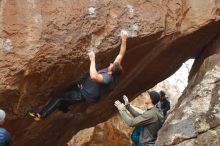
{"x": 43, "y": 49}
{"x": 113, "y": 132}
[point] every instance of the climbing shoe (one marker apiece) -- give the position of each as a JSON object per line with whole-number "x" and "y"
{"x": 36, "y": 116}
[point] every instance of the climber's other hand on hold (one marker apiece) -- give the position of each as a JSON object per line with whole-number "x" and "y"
{"x": 91, "y": 55}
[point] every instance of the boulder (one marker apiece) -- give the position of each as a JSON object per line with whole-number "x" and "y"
{"x": 43, "y": 49}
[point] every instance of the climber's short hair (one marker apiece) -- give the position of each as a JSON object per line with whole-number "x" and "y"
{"x": 117, "y": 69}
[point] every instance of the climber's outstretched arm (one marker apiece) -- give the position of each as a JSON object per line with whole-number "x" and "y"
{"x": 121, "y": 54}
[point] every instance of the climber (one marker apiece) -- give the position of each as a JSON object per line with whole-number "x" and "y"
{"x": 5, "y": 137}
{"x": 164, "y": 104}
{"x": 90, "y": 88}
{"x": 150, "y": 121}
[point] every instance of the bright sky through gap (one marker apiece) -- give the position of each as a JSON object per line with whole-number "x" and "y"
{"x": 180, "y": 77}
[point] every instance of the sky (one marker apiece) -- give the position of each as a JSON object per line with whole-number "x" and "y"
{"x": 180, "y": 77}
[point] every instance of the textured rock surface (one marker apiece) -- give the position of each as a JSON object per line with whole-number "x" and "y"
{"x": 113, "y": 132}
{"x": 196, "y": 117}
{"x": 43, "y": 49}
